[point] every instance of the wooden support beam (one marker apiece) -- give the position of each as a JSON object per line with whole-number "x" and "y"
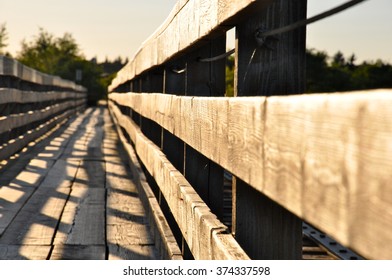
{"x": 264, "y": 229}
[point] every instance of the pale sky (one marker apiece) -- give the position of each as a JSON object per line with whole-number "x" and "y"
{"x": 118, "y": 27}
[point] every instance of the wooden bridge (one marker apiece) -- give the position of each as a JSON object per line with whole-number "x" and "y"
{"x": 170, "y": 168}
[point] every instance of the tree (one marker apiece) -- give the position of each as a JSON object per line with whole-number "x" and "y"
{"x": 3, "y": 37}
{"x": 343, "y": 74}
{"x": 61, "y": 56}
{"x": 49, "y": 54}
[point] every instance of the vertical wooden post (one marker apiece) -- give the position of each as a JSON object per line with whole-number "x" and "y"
{"x": 152, "y": 82}
{"x": 206, "y": 79}
{"x": 173, "y": 147}
{"x": 174, "y": 83}
{"x": 263, "y": 228}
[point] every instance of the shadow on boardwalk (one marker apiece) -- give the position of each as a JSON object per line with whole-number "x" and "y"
{"x": 72, "y": 197}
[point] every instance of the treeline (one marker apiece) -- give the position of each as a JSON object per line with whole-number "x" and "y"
{"x": 340, "y": 73}
{"x": 337, "y": 73}
{"x": 61, "y": 56}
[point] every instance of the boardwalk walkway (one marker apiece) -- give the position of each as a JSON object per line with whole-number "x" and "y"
{"x": 71, "y": 197}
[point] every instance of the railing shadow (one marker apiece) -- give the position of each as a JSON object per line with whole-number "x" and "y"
{"x": 33, "y": 213}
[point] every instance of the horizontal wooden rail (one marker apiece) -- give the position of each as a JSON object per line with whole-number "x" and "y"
{"x": 323, "y": 157}
{"x": 32, "y": 103}
{"x": 13, "y": 146}
{"x": 188, "y": 23}
{"x": 13, "y": 68}
{"x": 9, "y": 95}
{"x": 14, "y": 121}
{"x": 194, "y": 218}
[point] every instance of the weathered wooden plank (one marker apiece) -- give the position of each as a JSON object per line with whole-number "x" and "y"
{"x": 79, "y": 252}
{"x": 126, "y": 221}
{"x": 61, "y": 175}
{"x": 131, "y": 252}
{"x": 327, "y": 161}
{"x": 13, "y": 146}
{"x": 189, "y": 23}
{"x": 192, "y": 215}
{"x": 83, "y": 219}
{"x": 203, "y": 123}
{"x": 24, "y": 252}
{"x": 37, "y": 221}
{"x": 275, "y": 68}
{"x": 17, "y": 120}
{"x": 11, "y": 67}
{"x": 11, "y": 201}
{"x": 164, "y": 240}
{"x": 86, "y": 143}
{"x": 10, "y": 95}
{"x": 300, "y": 138}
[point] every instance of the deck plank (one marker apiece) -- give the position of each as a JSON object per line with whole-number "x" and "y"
{"x": 75, "y": 199}
{"x": 36, "y": 223}
{"x": 71, "y": 252}
{"x": 24, "y": 252}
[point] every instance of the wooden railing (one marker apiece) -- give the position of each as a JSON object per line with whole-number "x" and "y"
{"x": 31, "y": 104}
{"x": 320, "y": 158}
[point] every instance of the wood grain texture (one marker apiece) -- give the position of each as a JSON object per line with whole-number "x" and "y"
{"x": 164, "y": 240}
{"x": 190, "y": 22}
{"x": 85, "y": 252}
{"x": 12, "y": 67}
{"x": 10, "y": 122}
{"x": 327, "y": 161}
{"x": 229, "y": 131}
{"x": 9, "y": 95}
{"x": 195, "y": 219}
{"x": 325, "y": 156}
{"x": 14, "y": 145}
{"x": 24, "y": 252}
{"x": 37, "y": 221}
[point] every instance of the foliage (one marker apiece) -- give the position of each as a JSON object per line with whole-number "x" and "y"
{"x": 61, "y": 56}
{"x": 325, "y": 74}
{"x": 230, "y": 76}
{"x": 3, "y": 37}
{"x": 331, "y": 74}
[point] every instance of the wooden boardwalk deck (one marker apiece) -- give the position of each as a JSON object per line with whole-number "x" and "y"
{"x": 71, "y": 196}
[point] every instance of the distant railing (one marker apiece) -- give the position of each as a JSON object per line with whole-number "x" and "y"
{"x": 31, "y": 104}
{"x": 320, "y": 158}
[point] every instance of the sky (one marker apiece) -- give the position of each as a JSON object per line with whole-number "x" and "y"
{"x": 118, "y": 27}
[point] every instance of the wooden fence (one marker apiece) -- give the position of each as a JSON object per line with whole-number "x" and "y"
{"x": 31, "y": 104}
{"x": 320, "y": 158}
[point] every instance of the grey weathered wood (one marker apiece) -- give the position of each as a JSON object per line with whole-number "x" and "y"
{"x": 37, "y": 221}
{"x": 189, "y": 23}
{"x": 12, "y": 200}
{"x": 164, "y": 240}
{"x": 198, "y": 224}
{"x": 131, "y": 252}
{"x": 85, "y": 252}
{"x": 206, "y": 79}
{"x": 127, "y": 223}
{"x": 265, "y": 229}
{"x": 203, "y": 123}
{"x": 24, "y": 252}
{"x": 11, "y": 67}
{"x": 9, "y": 95}
{"x": 335, "y": 172}
{"x": 291, "y": 124}
{"x": 83, "y": 219}
{"x": 15, "y": 145}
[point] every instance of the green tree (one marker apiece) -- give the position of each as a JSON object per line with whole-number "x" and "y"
{"x": 325, "y": 74}
{"x": 230, "y": 76}
{"x": 61, "y": 56}
{"x": 3, "y": 37}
